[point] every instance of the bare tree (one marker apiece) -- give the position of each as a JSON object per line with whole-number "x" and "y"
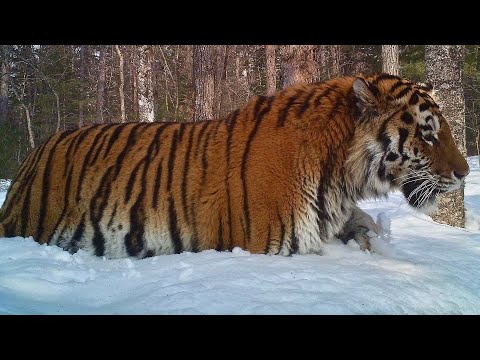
{"x": 145, "y": 84}
{"x": 298, "y": 64}
{"x": 444, "y": 68}
{"x": 121, "y": 85}
{"x": 271, "y": 69}
{"x": 390, "y": 59}
{"x": 81, "y": 116}
{"x": 4, "y": 81}
{"x": 204, "y": 81}
{"x": 101, "y": 83}
{"x": 20, "y": 98}
{"x": 336, "y": 56}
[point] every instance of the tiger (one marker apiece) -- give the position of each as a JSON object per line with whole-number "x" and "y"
{"x": 280, "y": 175}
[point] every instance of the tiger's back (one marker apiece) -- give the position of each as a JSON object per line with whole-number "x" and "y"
{"x": 143, "y": 189}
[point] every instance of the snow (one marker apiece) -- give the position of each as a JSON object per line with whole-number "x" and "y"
{"x": 417, "y": 267}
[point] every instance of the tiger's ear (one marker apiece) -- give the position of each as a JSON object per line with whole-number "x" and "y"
{"x": 428, "y": 88}
{"x": 366, "y": 94}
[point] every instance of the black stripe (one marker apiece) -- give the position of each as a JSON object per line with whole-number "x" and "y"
{"x": 98, "y": 203}
{"x": 84, "y": 164}
{"x": 382, "y": 171}
{"x": 282, "y": 233}
{"x": 173, "y": 229}
{"x": 407, "y": 118}
{"x": 205, "y": 159}
{"x": 66, "y": 197}
{"x": 382, "y": 135}
{"x": 418, "y": 133}
{"x": 230, "y": 127}
{"x": 46, "y": 187}
{"x": 391, "y": 156}
{"x": 28, "y": 182}
{"x": 396, "y": 86}
{"x": 99, "y": 149}
{"x": 374, "y": 90}
{"x": 115, "y": 136}
{"x": 306, "y": 103}
{"x": 78, "y": 234}
{"x": 243, "y": 172}
{"x": 413, "y": 99}
{"x": 403, "y": 92}
{"x": 156, "y": 189}
{"x": 185, "y": 179}
{"x": 134, "y": 241}
{"x": 83, "y": 135}
{"x": 403, "y": 137}
{"x": 200, "y": 135}
{"x": 157, "y": 144}
{"x": 424, "y": 107}
{"x": 181, "y": 131}
{"x": 112, "y": 217}
{"x": 284, "y": 112}
{"x": 220, "y": 234}
{"x": 293, "y": 236}
{"x": 323, "y": 95}
{"x": 132, "y": 137}
{"x": 131, "y": 180}
{"x": 269, "y": 239}
{"x": 258, "y": 104}
{"x": 385, "y": 76}
{"x": 171, "y": 159}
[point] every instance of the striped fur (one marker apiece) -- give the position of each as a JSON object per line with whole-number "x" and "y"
{"x": 280, "y": 175}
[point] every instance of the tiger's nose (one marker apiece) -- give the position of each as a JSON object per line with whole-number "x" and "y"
{"x": 461, "y": 174}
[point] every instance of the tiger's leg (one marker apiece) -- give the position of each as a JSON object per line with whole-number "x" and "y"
{"x": 361, "y": 227}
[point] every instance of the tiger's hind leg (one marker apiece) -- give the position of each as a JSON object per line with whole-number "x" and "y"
{"x": 360, "y": 227}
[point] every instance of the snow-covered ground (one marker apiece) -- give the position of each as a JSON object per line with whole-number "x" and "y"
{"x": 424, "y": 268}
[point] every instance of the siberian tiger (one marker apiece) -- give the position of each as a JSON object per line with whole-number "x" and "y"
{"x": 280, "y": 175}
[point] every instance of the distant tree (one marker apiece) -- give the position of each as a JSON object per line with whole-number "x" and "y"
{"x": 444, "y": 69}
{"x": 298, "y": 64}
{"x": 204, "y": 81}
{"x": 4, "y": 81}
{"x": 145, "y": 86}
{"x": 81, "y": 75}
{"x": 390, "y": 59}
{"x": 101, "y": 83}
{"x": 121, "y": 85}
{"x": 270, "y": 69}
{"x": 336, "y": 56}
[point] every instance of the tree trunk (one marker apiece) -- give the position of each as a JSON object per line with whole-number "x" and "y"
{"x": 81, "y": 116}
{"x": 444, "y": 68}
{"x": 57, "y": 100}
{"x": 5, "y": 69}
{"x": 204, "y": 81}
{"x": 298, "y": 64}
{"x": 271, "y": 69}
{"x": 221, "y": 51}
{"x": 29, "y": 120}
{"x": 323, "y": 59}
{"x": 336, "y": 55}
{"x": 122, "y": 84}
{"x": 390, "y": 62}
{"x": 145, "y": 85}
{"x": 101, "y": 84}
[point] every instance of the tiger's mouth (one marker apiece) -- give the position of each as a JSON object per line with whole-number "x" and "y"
{"x": 422, "y": 193}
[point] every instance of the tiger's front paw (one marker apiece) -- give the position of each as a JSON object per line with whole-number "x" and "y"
{"x": 360, "y": 227}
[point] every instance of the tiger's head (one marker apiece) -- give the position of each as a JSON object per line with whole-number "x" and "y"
{"x": 408, "y": 141}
